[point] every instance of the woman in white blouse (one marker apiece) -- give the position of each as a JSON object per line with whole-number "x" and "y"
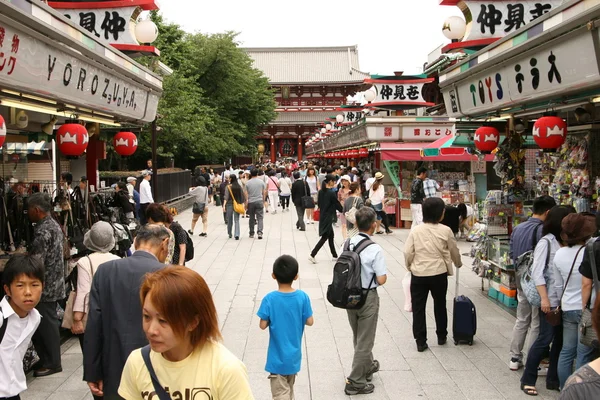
{"x": 100, "y": 240}
{"x": 576, "y": 230}
{"x": 377, "y": 196}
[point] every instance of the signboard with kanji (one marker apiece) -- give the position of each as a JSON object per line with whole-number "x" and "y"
{"x": 399, "y": 92}
{"x": 58, "y": 72}
{"x": 383, "y": 133}
{"x": 114, "y": 25}
{"x": 495, "y": 19}
{"x": 551, "y": 70}
{"x": 426, "y": 133}
{"x": 351, "y": 117}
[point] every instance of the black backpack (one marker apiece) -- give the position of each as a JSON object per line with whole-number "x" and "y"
{"x": 346, "y": 290}
{"x": 3, "y": 327}
{"x": 189, "y": 249}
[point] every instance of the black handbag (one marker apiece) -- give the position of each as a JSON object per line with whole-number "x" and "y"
{"x": 200, "y": 206}
{"x": 307, "y": 200}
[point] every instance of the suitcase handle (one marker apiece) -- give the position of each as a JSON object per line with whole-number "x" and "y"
{"x": 456, "y": 278}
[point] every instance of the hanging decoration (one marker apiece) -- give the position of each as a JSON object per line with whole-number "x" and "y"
{"x": 487, "y": 139}
{"x": 2, "y": 131}
{"x": 550, "y": 132}
{"x": 72, "y": 138}
{"x": 363, "y": 152}
{"x": 125, "y": 143}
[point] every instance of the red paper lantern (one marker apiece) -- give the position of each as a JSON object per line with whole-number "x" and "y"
{"x": 2, "y": 131}
{"x": 72, "y": 139}
{"x": 125, "y": 143}
{"x": 363, "y": 152}
{"x": 353, "y": 153}
{"x": 487, "y": 139}
{"x": 550, "y": 132}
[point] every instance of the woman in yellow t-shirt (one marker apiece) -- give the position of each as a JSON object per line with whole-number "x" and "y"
{"x": 180, "y": 322}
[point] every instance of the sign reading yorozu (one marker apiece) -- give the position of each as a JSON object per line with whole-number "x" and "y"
{"x": 399, "y": 92}
{"x": 52, "y": 72}
{"x": 548, "y": 71}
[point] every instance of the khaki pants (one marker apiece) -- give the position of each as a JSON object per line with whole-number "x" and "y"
{"x": 282, "y": 386}
{"x": 364, "y": 326}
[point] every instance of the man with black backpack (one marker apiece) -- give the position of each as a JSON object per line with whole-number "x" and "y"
{"x": 363, "y": 313}
{"x": 523, "y": 239}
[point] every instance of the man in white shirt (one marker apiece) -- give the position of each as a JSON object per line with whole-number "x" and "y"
{"x": 145, "y": 195}
{"x": 23, "y": 283}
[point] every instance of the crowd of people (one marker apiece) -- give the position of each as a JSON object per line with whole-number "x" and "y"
{"x": 147, "y": 325}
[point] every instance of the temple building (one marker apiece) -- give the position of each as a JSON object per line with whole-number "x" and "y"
{"x": 310, "y": 84}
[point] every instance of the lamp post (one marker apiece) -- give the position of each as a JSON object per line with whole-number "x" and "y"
{"x": 154, "y": 159}
{"x": 146, "y": 31}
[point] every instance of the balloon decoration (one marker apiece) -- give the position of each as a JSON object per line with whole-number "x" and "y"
{"x": 487, "y": 139}
{"x": 550, "y": 132}
{"x": 72, "y": 138}
{"x": 125, "y": 143}
{"x": 2, "y": 131}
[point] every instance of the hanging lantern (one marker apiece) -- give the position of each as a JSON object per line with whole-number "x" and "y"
{"x": 550, "y": 132}
{"x": 2, "y": 131}
{"x": 125, "y": 143}
{"x": 353, "y": 153}
{"x": 363, "y": 152}
{"x": 72, "y": 138}
{"x": 487, "y": 139}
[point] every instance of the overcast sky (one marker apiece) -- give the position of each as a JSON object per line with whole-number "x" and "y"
{"x": 392, "y": 35}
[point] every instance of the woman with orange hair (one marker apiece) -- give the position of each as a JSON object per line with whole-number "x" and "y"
{"x": 184, "y": 357}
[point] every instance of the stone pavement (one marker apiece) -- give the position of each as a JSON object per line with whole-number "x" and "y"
{"x": 239, "y": 275}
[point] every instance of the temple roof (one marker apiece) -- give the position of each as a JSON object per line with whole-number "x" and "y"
{"x": 308, "y": 65}
{"x": 302, "y": 117}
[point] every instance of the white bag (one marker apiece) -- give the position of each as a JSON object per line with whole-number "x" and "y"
{"x": 406, "y": 287}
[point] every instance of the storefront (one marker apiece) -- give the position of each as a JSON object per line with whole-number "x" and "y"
{"x": 544, "y": 81}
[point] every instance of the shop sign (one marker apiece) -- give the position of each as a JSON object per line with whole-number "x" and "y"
{"x": 496, "y": 19}
{"x": 426, "y": 133}
{"x": 32, "y": 65}
{"x": 383, "y": 133}
{"x": 478, "y": 167}
{"x": 550, "y": 70}
{"x": 404, "y": 93}
{"x": 116, "y": 25}
{"x": 351, "y": 117}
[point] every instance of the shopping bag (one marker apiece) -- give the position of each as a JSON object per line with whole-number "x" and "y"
{"x": 406, "y": 287}
{"x": 316, "y": 214}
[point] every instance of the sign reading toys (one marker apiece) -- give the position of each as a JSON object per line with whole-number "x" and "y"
{"x": 495, "y": 19}
{"x": 551, "y": 70}
{"x": 406, "y": 92}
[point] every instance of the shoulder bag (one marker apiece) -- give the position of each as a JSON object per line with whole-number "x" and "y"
{"x": 588, "y": 334}
{"x": 158, "y": 388}
{"x": 351, "y": 213}
{"x": 237, "y": 207}
{"x": 554, "y": 317}
{"x": 527, "y": 283}
{"x": 307, "y": 200}
{"x": 199, "y": 206}
{"x": 68, "y": 320}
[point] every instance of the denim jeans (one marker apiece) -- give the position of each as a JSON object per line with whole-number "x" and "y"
{"x": 232, "y": 217}
{"x": 548, "y": 335}
{"x": 572, "y": 348}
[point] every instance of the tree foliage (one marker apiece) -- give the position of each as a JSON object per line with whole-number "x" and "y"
{"x": 213, "y": 103}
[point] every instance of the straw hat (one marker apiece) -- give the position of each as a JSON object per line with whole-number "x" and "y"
{"x": 101, "y": 238}
{"x": 379, "y": 176}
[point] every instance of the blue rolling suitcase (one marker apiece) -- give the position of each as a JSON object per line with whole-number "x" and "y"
{"x": 464, "y": 318}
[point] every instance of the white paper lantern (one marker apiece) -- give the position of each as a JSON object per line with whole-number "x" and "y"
{"x": 454, "y": 28}
{"x": 146, "y": 31}
{"x": 339, "y": 118}
{"x": 370, "y": 95}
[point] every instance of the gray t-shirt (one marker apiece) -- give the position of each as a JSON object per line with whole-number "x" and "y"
{"x": 255, "y": 188}
{"x": 200, "y": 194}
{"x": 583, "y": 384}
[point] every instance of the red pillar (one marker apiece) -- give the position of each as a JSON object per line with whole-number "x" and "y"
{"x": 273, "y": 152}
{"x": 96, "y": 150}
{"x": 300, "y": 148}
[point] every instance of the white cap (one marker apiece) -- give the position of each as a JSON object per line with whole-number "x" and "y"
{"x": 346, "y": 177}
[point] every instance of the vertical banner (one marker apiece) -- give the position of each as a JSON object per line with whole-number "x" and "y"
{"x": 393, "y": 170}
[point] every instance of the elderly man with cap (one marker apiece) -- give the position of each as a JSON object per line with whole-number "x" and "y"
{"x": 100, "y": 240}
{"x": 114, "y": 327}
{"x": 145, "y": 195}
{"x": 134, "y": 195}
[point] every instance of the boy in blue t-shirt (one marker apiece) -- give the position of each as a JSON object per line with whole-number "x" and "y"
{"x": 285, "y": 312}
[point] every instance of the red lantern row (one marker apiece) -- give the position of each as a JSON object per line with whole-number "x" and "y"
{"x": 72, "y": 138}
{"x": 550, "y": 132}
{"x": 354, "y": 153}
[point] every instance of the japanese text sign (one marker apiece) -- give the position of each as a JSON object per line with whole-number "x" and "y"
{"x": 495, "y": 19}
{"x": 402, "y": 93}
{"x": 114, "y": 25}
{"x": 550, "y": 70}
{"x": 33, "y": 65}
{"x": 426, "y": 133}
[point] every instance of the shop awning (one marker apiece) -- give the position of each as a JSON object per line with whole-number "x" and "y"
{"x": 36, "y": 148}
{"x": 419, "y": 152}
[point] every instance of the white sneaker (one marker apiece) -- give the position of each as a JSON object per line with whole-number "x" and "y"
{"x": 312, "y": 259}
{"x": 515, "y": 364}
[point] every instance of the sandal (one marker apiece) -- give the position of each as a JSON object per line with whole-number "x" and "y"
{"x": 529, "y": 390}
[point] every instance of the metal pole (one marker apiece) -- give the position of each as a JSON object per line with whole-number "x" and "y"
{"x": 154, "y": 161}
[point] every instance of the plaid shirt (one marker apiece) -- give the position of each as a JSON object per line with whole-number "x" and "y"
{"x": 430, "y": 187}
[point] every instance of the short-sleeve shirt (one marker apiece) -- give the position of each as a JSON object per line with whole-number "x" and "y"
{"x": 212, "y": 372}
{"x": 255, "y": 188}
{"x": 585, "y": 268}
{"x": 371, "y": 261}
{"x": 287, "y": 314}
{"x": 272, "y": 183}
{"x": 200, "y": 194}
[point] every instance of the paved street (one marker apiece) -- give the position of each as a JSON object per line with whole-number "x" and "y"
{"x": 239, "y": 274}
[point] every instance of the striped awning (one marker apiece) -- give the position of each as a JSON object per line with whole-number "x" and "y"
{"x": 36, "y": 148}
